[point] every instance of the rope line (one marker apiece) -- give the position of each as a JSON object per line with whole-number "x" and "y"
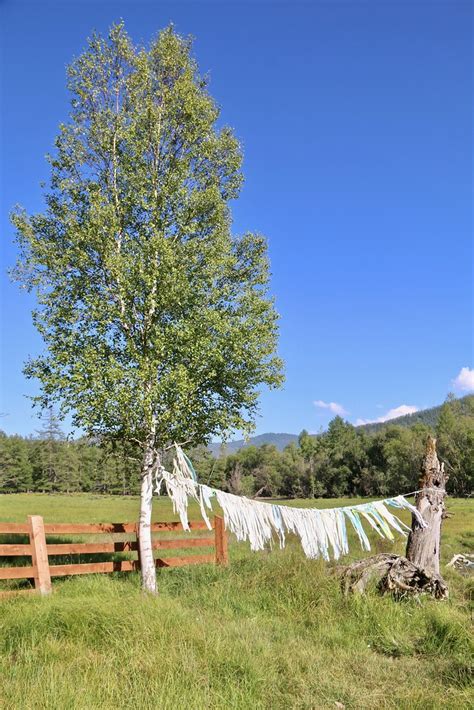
{"x": 322, "y": 532}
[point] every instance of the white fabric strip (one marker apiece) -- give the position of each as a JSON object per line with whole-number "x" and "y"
{"x": 321, "y": 532}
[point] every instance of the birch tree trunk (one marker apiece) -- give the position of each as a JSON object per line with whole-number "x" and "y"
{"x": 423, "y": 545}
{"x": 147, "y": 564}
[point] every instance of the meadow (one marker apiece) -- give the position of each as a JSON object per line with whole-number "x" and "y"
{"x": 273, "y": 630}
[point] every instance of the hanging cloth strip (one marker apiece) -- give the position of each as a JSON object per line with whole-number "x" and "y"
{"x": 321, "y": 532}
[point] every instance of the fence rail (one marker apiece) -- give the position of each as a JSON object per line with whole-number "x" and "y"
{"x": 41, "y": 570}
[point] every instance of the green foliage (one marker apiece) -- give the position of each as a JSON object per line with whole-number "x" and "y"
{"x": 61, "y": 466}
{"x": 15, "y": 466}
{"x": 155, "y": 317}
{"x": 345, "y": 460}
{"x": 271, "y": 631}
{"x": 428, "y": 417}
{"x": 455, "y": 432}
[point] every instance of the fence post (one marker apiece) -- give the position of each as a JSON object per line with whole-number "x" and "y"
{"x": 137, "y": 536}
{"x": 222, "y": 554}
{"x": 39, "y": 554}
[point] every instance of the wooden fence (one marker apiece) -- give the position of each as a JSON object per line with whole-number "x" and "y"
{"x": 41, "y": 570}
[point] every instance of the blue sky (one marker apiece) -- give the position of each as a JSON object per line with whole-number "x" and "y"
{"x": 356, "y": 122}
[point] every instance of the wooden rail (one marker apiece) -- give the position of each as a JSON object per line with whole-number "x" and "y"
{"x": 39, "y": 550}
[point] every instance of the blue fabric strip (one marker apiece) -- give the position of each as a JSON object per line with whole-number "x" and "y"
{"x": 191, "y": 467}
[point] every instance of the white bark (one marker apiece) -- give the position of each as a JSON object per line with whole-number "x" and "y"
{"x": 147, "y": 564}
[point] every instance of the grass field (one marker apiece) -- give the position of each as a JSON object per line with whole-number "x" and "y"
{"x": 271, "y": 631}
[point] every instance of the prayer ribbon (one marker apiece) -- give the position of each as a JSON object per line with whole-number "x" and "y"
{"x": 322, "y": 532}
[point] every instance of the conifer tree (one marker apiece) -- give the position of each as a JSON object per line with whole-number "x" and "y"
{"x": 50, "y": 472}
{"x": 15, "y": 466}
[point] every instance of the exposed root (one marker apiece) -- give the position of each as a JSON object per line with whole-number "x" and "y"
{"x": 463, "y": 563}
{"x": 394, "y": 574}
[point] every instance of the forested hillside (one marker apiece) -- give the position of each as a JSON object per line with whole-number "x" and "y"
{"x": 230, "y": 447}
{"x": 429, "y": 417}
{"x": 343, "y": 461}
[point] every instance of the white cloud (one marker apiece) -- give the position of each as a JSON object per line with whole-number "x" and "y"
{"x": 398, "y": 412}
{"x": 391, "y": 414}
{"x": 465, "y": 380}
{"x": 333, "y": 407}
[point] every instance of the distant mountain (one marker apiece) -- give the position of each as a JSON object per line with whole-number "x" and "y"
{"x": 278, "y": 440}
{"x": 424, "y": 416}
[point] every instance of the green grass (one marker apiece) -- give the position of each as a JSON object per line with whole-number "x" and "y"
{"x": 271, "y": 631}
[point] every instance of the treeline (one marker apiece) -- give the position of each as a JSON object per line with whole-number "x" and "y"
{"x": 343, "y": 461}
{"x": 349, "y": 461}
{"x": 51, "y": 463}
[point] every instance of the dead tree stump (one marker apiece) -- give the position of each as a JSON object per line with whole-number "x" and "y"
{"x": 424, "y": 543}
{"x": 394, "y": 574}
{"x": 419, "y": 570}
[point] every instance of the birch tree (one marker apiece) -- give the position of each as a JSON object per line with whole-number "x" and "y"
{"x": 156, "y": 318}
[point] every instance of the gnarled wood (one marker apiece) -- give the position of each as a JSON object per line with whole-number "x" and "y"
{"x": 424, "y": 543}
{"x": 394, "y": 574}
{"x": 419, "y": 570}
{"x": 462, "y": 562}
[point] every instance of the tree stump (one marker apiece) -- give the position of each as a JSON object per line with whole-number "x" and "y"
{"x": 419, "y": 570}
{"x": 394, "y": 574}
{"x": 424, "y": 543}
